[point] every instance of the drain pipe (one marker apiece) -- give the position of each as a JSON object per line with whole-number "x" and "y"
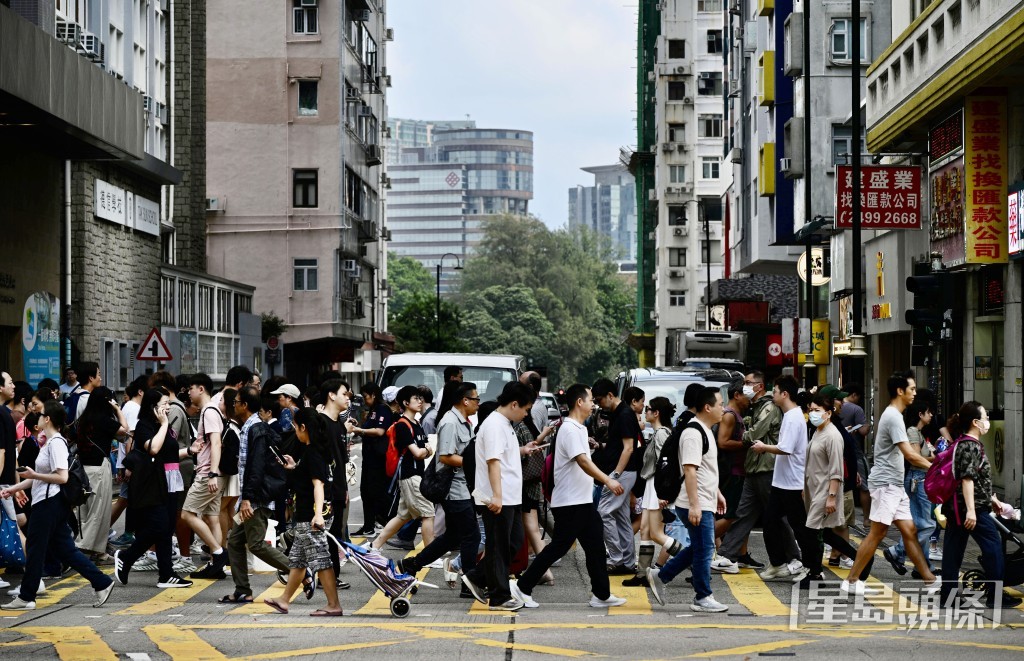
{"x": 65, "y": 289}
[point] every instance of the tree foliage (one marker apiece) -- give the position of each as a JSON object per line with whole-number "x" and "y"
{"x": 407, "y": 279}
{"x": 415, "y": 327}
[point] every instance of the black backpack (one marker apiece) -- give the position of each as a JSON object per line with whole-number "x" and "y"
{"x": 230, "y": 447}
{"x": 668, "y": 478}
{"x": 275, "y": 480}
{"x": 77, "y": 489}
{"x": 469, "y": 464}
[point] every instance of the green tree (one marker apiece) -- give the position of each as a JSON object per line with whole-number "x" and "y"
{"x": 415, "y": 327}
{"x": 407, "y": 278}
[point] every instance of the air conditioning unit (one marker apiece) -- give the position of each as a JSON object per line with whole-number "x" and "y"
{"x": 683, "y": 70}
{"x": 651, "y": 76}
{"x": 365, "y": 111}
{"x": 688, "y": 100}
{"x": 705, "y": 75}
{"x": 686, "y": 188}
{"x": 735, "y": 7}
{"x": 785, "y": 165}
{"x": 92, "y": 47}
{"x": 356, "y": 272}
{"x": 352, "y": 93}
{"x": 389, "y": 34}
{"x": 69, "y": 33}
{"x": 307, "y": 3}
{"x": 386, "y": 234}
{"x": 148, "y": 104}
{"x": 161, "y": 113}
{"x": 652, "y": 236}
{"x": 216, "y": 204}
{"x": 373, "y": 155}
{"x": 385, "y": 181}
{"x": 348, "y": 265}
{"x": 680, "y": 231}
{"x": 675, "y": 273}
{"x": 682, "y": 146}
{"x": 652, "y": 195}
{"x": 666, "y": 146}
{"x": 364, "y": 15}
{"x": 736, "y": 155}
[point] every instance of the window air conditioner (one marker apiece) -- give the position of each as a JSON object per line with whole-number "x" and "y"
{"x": 666, "y": 146}
{"x": 706, "y": 75}
{"x": 682, "y": 146}
{"x": 675, "y": 273}
{"x": 216, "y": 204}
{"x": 69, "y": 33}
{"x": 92, "y": 47}
{"x": 736, "y": 155}
{"x": 364, "y": 15}
{"x": 688, "y": 100}
{"x": 652, "y": 195}
{"x": 348, "y": 265}
{"x": 785, "y": 165}
{"x": 365, "y": 111}
{"x": 352, "y": 93}
{"x": 389, "y": 34}
{"x": 679, "y": 231}
{"x": 683, "y": 70}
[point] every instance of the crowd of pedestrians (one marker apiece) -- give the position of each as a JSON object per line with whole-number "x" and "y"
{"x": 192, "y": 469}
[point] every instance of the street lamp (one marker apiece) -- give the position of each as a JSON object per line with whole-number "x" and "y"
{"x": 440, "y": 263}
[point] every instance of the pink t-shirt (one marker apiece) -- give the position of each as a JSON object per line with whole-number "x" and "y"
{"x": 210, "y": 422}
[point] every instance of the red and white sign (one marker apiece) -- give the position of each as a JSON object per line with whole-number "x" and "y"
{"x": 774, "y": 350}
{"x": 272, "y": 342}
{"x": 890, "y": 197}
{"x": 154, "y": 348}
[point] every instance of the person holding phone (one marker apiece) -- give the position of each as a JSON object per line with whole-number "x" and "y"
{"x": 310, "y": 477}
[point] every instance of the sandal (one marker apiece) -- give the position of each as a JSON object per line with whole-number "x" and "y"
{"x": 320, "y": 612}
{"x": 235, "y": 598}
{"x": 276, "y": 606}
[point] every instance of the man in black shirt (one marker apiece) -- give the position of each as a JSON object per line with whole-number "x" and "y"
{"x": 373, "y": 480}
{"x": 620, "y": 457}
{"x": 338, "y": 429}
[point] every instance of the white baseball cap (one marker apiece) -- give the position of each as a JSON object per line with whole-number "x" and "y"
{"x": 288, "y": 389}
{"x": 390, "y": 393}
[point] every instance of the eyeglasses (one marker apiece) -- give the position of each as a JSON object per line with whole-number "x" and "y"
{"x": 648, "y": 409}
{"x": 472, "y": 399}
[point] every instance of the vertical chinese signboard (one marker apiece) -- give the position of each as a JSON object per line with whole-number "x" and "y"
{"x": 986, "y": 180}
{"x": 1015, "y": 223}
{"x": 947, "y": 222}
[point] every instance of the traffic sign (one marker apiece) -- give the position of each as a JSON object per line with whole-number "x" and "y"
{"x": 272, "y": 356}
{"x": 272, "y": 342}
{"x": 154, "y": 348}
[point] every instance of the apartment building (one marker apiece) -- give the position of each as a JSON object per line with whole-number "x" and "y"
{"x": 608, "y": 208}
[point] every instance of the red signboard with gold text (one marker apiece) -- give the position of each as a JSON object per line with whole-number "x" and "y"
{"x": 986, "y": 179}
{"x": 890, "y": 197}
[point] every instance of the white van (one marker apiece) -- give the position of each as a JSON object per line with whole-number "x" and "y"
{"x": 490, "y": 373}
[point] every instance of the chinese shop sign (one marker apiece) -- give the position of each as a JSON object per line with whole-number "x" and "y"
{"x": 985, "y": 175}
{"x": 890, "y": 197}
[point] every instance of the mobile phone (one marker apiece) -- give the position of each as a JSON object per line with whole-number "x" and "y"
{"x": 21, "y": 469}
{"x": 276, "y": 453}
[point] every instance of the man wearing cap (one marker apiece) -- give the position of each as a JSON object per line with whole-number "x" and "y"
{"x": 288, "y": 397}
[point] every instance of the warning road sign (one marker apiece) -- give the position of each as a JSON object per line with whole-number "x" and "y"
{"x": 154, "y": 348}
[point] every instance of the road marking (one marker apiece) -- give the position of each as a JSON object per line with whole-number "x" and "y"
{"x": 538, "y": 649}
{"x": 257, "y": 607}
{"x": 887, "y": 599}
{"x": 378, "y": 603}
{"x": 138, "y": 656}
{"x": 755, "y": 595}
{"x": 958, "y": 643}
{"x": 182, "y": 644}
{"x": 73, "y": 643}
{"x": 310, "y": 651}
{"x": 753, "y": 649}
{"x": 637, "y": 601}
{"x": 166, "y": 599}
{"x": 1018, "y": 594}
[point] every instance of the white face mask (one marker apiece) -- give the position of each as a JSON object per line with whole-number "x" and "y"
{"x": 984, "y": 426}
{"x": 817, "y": 418}
{"x": 748, "y": 391}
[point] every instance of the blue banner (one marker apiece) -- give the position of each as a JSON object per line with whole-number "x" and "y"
{"x": 40, "y": 338}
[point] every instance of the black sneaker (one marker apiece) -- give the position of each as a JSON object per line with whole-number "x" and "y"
{"x": 465, "y": 593}
{"x": 210, "y": 571}
{"x": 400, "y": 544}
{"x": 174, "y": 581}
{"x": 745, "y": 561}
{"x": 478, "y": 593}
{"x": 342, "y": 585}
{"x": 637, "y": 581}
{"x": 916, "y": 575}
{"x": 897, "y": 566}
{"x": 805, "y": 582}
{"x": 833, "y": 562}
{"x": 120, "y": 570}
{"x": 1008, "y": 601}
{"x": 621, "y": 570}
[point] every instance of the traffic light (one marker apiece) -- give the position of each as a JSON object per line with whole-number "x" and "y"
{"x": 932, "y": 316}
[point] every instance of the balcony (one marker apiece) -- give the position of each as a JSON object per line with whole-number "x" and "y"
{"x": 765, "y": 7}
{"x": 949, "y": 50}
{"x": 766, "y": 78}
{"x": 766, "y": 170}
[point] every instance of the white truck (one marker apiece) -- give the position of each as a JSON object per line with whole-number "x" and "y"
{"x": 703, "y": 350}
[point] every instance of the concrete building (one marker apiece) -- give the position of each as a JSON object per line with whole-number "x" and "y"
{"x": 946, "y": 96}
{"x": 608, "y": 208}
{"x": 295, "y": 125}
{"x": 442, "y": 194}
{"x": 91, "y": 209}
{"x": 412, "y": 133}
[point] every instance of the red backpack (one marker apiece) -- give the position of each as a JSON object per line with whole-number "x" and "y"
{"x": 394, "y": 455}
{"x": 940, "y": 482}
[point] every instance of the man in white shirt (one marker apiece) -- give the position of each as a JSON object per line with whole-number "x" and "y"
{"x": 572, "y": 504}
{"x": 785, "y": 500}
{"x": 696, "y": 505}
{"x": 499, "y": 488}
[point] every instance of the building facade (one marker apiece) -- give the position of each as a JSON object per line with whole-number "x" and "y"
{"x": 296, "y": 117}
{"x": 94, "y": 194}
{"x": 442, "y": 194}
{"x": 412, "y": 133}
{"x": 608, "y": 208}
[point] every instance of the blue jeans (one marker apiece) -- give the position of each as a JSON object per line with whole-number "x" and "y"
{"x": 988, "y": 539}
{"x": 697, "y": 555}
{"x": 921, "y": 510}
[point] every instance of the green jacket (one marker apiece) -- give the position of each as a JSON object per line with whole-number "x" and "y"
{"x": 764, "y": 423}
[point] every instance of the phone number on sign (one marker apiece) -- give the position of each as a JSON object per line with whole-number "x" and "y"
{"x": 881, "y": 218}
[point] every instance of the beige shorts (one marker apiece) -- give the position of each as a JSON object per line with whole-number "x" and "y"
{"x": 229, "y": 487}
{"x": 411, "y": 503}
{"x": 849, "y": 511}
{"x": 890, "y": 503}
{"x": 199, "y": 500}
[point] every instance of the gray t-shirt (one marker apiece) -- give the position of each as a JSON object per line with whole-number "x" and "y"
{"x": 453, "y": 435}
{"x": 888, "y": 467}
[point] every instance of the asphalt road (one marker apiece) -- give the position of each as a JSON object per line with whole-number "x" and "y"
{"x": 141, "y": 621}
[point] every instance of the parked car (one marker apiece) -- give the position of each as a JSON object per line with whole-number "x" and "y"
{"x": 551, "y": 402}
{"x": 672, "y": 382}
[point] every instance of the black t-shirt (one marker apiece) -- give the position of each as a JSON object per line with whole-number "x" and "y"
{"x": 338, "y": 444}
{"x": 404, "y": 437}
{"x": 311, "y": 465}
{"x": 29, "y": 452}
{"x": 375, "y": 447}
{"x": 624, "y": 425}
{"x": 9, "y": 446}
{"x": 95, "y": 438}
{"x": 148, "y": 484}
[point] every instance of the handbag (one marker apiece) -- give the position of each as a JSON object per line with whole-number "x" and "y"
{"x": 436, "y": 482}
{"x": 11, "y": 553}
{"x": 533, "y": 466}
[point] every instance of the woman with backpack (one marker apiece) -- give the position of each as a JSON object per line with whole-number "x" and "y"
{"x": 967, "y": 510}
{"x": 98, "y": 428}
{"x": 48, "y": 528}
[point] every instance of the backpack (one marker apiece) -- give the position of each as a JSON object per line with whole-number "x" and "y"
{"x": 71, "y": 405}
{"x": 939, "y": 481}
{"x": 668, "y": 477}
{"x": 547, "y": 476}
{"x": 275, "y": 479}
{"x": 188, "y": 424}
{"x": 230, "y": 447}
{"x": 469, "y": 464}
{"x": 393, "y": 456}
{"x": 77, "y": 489}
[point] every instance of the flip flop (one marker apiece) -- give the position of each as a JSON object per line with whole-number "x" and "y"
{"x": 320, "y": 612}
{"x": 235, "y": 599}
{"x": 276, "y": 606}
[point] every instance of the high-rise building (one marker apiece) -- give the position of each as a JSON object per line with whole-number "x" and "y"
{"x": 411, "y": 133}
{"x": 296, "y": 120}
{"x": 608, "y": 208}
{"x": 442, "y": 193}
{"x": 99, "y": 201}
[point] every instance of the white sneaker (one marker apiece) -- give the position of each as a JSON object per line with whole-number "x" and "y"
{"x": 610, "y": 602}
{"x": 145, "y": 563}
{"x": 14, "y": 592}
{"x": 436, "y": 564}
{"x": 725, "y": 565}
{"x": 846, "y": 563}
{"x": 935, "y": 554}
{"x": 657, "y": 587}
{"x": 857, "y": 588}
{"x": 528, "y": 601}
{"x": 708, "y": 605}
{"x": 934, "y": 586}
{"x": 4, "y": 584}
{"x": 19, "y": 605}
{"x": 451, "y": 578}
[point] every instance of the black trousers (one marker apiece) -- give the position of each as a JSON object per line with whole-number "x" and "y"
{"x": 373, "y": 488}
{"x": 338, "y": 530}
{"x": 789, "y": 505}
{"x": 152, "y": 529}
{"x": 504, "y": 537}
{"x": 460, "y": 532}
{"x": 572, "y": 523}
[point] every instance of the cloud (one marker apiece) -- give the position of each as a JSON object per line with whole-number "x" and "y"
{"x": 564, "y": 69}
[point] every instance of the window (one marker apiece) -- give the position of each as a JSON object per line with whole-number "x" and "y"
{"x": 712, "y": 208}
{"x": 677, "y": 214}
{"x": 677, "y": 174}
{"x": 186, "y": 304}
{"x": 715, "y": 43}
{"x": 205, "y": 308}
{"x": 676, "y": 49}
{"x": 225, "y": 311}
{"x": 677, "y": 132}
{"x": 677, "y": 256}
{"x": 709, "y": 126}
{"x": 308, "y": 98}
{"x": 304, "y": 188}
{"x": 716, "y": 252}
{"x": 676, "y": 298}
{"x": 709, "y": 5}
{"x": 304, "y": 17}
{"x": 840, "y": 45}
{"x": 676, "y": 90}
{"x": 842, "y": 145}
{"x": 710, "y": 83}
{"x": 710, "y": 167}
{"x": 305, "y": 274}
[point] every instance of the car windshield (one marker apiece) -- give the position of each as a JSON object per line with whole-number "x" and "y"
{"x": 672, "y": 389}
{"x": 489, "y": 380}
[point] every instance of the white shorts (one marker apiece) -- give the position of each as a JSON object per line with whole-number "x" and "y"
{"x": 229, "y": 486}
{"x": 651, "y": 496}
{"x": 890, "y": 503}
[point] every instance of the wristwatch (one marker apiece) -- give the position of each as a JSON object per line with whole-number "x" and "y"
{"x": 615, "y": 475}
{"x": 213, "y": 475}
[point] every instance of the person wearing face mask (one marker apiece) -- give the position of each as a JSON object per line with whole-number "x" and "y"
{"x": 823, "y": 487}
{"x": 967, "y": 512}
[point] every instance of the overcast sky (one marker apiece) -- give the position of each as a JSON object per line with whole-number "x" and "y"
{"x": 564, "y": 69}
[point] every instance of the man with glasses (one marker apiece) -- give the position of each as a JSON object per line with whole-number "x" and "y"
{"x": 461, "y": 530}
